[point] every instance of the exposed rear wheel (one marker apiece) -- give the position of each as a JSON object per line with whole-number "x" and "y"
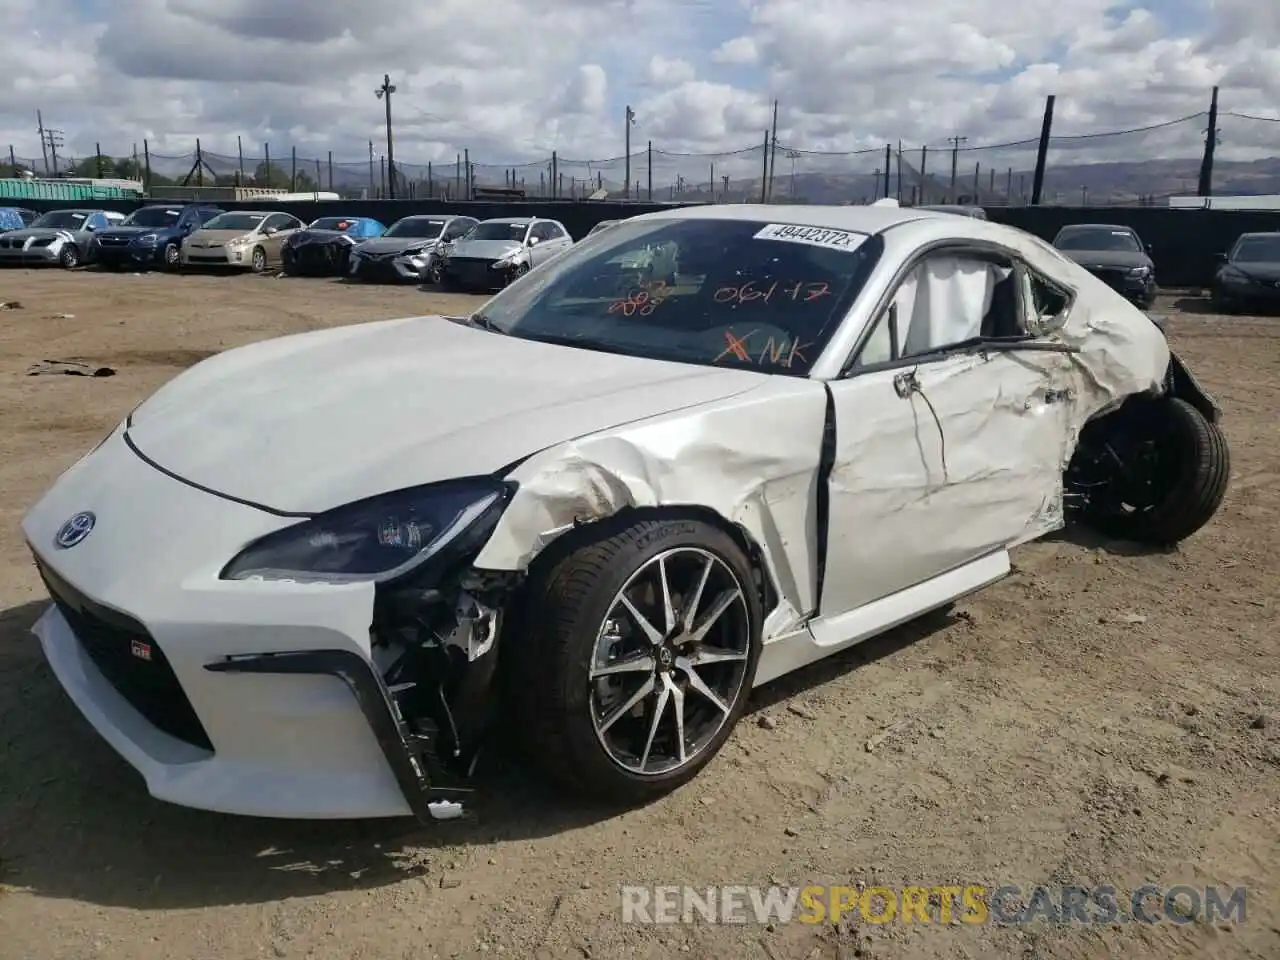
{"x": 638, "y": 663}
{"x": 1169, "y": 469}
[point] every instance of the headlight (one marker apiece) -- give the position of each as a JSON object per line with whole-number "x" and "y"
{"x": 1140, "y": 272}
{"x": 1234, "y": 275}
{"x": 147, "y": 238}
{"x": 509, "y": 260}
{"x": 378, "y": 539}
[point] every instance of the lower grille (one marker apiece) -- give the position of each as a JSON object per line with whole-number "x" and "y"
{"x": 130, "y": 660}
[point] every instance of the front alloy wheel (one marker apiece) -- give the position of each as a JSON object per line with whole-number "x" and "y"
{"x": 641, "y": 647}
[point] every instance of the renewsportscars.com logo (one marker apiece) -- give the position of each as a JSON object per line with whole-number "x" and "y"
{"x": 944, "y": 904}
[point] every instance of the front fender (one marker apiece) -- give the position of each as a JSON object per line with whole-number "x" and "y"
{"x": 1180, "y": 383}
{"x": 753, "y": 460}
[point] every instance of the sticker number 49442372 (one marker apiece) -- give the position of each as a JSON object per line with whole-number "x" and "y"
{"x": 846, "y": 240}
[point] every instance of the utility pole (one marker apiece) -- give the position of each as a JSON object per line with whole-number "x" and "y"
{"x": 628, "y": 123}
{"x": 955, "y": 156}
{"x": 1042, "y": 152}
{"x": 54, "y": 140}
{"x": 773, "y": 151}
{"x": 384, "y": 93}
{"x": 44, "y": 149}
{"x": 1211, "y": 139}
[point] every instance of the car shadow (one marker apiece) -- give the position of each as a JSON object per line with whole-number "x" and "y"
{"x": 859, "y": 655}
{"x": 1082, "y": 536}
{"x": 1194, "y": 305}
{"x": 76, "y": 822}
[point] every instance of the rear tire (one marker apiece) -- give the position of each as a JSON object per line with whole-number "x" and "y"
{"x": 1194, "y": 466}
{"x": 574, "y": 627}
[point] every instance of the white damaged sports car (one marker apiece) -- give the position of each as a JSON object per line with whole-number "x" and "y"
{"x": 313, "y": 576}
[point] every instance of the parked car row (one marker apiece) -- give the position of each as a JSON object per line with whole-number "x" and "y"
{"x": 453, "y": 251}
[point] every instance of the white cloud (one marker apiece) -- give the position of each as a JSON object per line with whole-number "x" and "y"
{"x": 665, "y": 72}
{"x": 511, "y": 81}
{"x": 738, "y": 50}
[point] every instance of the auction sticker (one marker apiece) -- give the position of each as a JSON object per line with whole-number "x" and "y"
{"x": 846, "y": 240}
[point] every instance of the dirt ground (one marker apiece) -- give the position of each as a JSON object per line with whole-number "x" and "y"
{"x": 1099, "y": 717}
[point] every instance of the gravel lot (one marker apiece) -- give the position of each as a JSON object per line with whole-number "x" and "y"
{"x": 1099, "y": 717}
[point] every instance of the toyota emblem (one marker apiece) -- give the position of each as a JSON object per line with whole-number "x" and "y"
{"x": 75, "y": 530}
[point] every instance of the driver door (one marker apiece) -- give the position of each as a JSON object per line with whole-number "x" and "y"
{"x": 945, "y": 453}
{"x": 535, "y": 241}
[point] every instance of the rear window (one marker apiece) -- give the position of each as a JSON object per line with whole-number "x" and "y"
{"x": 732, "y": 293}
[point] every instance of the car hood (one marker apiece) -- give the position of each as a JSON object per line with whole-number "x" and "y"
{"x": 218, "y": 236}
{"x": 1266, "y": 272}
{"x": 1108, "y": 258}
{"x": 132, "y": 231}
{"x": 393, "y": 244}
{"x": 485, "y": 249}
{"x": 312, "y": 421}
{"x": 316, "y": 236}
{"x": 37, "y": 233}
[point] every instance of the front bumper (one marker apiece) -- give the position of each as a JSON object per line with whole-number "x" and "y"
{"x": 317, "y": 259}
{"x": 25, "y": 251}
{"x": 217, "y": 257}
{"x": 1252, "y": 293}
{"x": 1140, "y": 289}
{"x": 477, "y": 273}
{"x": 241, "y": 697}
{"x": 390, "y": 268}
{"x": 122, "y": 254}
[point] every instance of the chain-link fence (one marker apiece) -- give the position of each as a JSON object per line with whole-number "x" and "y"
{"x": 1134, "y": 166}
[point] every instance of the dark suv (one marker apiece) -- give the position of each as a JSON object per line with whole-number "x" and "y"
{"x": 151, "y": 235}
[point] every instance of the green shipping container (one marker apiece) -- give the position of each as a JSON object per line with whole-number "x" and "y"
{"x": 14, "y": 188}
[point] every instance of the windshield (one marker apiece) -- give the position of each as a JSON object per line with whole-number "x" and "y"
{"x": 416, "y": 227}
{"x": 499, "y": 230}
{"x": 61, "y": 220}
{"x": 153, "y": 217}
{"x": 235, "y": 221}
{"x": 732, "y": 293}
{"x": 1101, "y": 238}
{"x": 341, "y": 224}
{"x": 1257, "y": 250}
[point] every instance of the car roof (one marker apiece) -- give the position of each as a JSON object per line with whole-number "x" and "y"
{"x": 511, "y": 220}
{"x": 1260, "y": 233}
{"x": 256, "y": 213}
{"x": 860, "y": 219}
{"x": 1097, "y": 226}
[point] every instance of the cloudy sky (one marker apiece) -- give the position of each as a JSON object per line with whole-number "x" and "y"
{"x": 512, "y": 80}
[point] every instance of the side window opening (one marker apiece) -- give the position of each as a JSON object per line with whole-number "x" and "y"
{"x": 1048, "y": 304}
{"x": 947, "y": 299}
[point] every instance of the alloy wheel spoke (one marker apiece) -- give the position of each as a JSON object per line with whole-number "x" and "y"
{"x": 699, "y": 686}
{"x": 668, "y": 610}
{"x": 640, "y": 663}
{"x": 691, "y": 608}
{"x": 641, "y": 621}
{"x": 659, "y": 709}
{"x": 723, "y": 603}
{"x": 704, "y": 656}
{"x": 677, "y": 704}
{"x": 645, "y": 689}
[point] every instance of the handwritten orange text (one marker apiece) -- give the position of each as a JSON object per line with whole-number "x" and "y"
{"x": 641, "y": 301}
{"x": 751, "y": 292}
{"x": 785, "y": 353}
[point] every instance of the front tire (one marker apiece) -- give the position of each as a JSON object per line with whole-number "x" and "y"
{"x": 1178, "y": 484}
{"x": 641, "y": 648}
{"x": 258, "y": 260}
{"x": 172, "y": 256}
{"x": 69, "y": 257}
